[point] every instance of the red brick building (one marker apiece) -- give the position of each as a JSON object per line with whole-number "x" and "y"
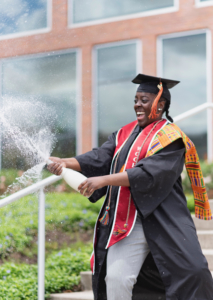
{"x": 79, "y": 56}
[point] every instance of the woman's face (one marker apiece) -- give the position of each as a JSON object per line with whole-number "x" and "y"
{"x": 143, "y": 104}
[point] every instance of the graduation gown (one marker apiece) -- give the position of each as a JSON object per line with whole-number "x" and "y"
{"x": 175, "y": 268}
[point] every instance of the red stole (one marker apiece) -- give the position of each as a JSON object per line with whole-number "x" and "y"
{"x": 118, "y": 231}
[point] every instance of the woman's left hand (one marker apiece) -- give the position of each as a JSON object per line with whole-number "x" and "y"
{"x": 88, "y": 187}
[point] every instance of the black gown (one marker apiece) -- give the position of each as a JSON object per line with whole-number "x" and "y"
{"x": 175, "y": 268}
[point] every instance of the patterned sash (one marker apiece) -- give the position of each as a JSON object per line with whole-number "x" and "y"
{"x": 167, "y": 135}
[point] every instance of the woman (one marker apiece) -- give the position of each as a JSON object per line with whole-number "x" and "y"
{"x": 145, "y": 242}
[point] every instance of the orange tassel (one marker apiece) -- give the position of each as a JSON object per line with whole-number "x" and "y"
{"x": 122, "y": 169}
{"x": 154, "y": 114}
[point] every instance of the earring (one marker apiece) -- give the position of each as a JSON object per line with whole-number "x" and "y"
{"x": 159, "y": 108}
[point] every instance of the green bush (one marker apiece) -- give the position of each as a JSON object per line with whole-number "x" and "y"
{"x": 67, "y": 211}
{"x": 62, "y": 272}
{"x": 190, "y": 203}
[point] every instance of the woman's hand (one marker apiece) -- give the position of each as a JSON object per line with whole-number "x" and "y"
{"x": 56, "y": 166}
{"x": 88, "y": 187}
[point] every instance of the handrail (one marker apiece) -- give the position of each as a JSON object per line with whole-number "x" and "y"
{"x": 41, "y": 223}
{"x": 29, "y": 190}
{"x": 50, "y": 180}
{"x": 193, "y": 111}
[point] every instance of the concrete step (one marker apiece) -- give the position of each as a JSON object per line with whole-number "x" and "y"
{"x": 86, "y": 295}
{"x": 205, "y": 238}
{"x": 86, "y": 280}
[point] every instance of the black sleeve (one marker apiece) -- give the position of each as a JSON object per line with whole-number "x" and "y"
{"x": 98, "y": 162}
{"x": 153, "y": 178}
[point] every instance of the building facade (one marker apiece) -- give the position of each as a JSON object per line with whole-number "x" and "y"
{"x": 79, "y": 56}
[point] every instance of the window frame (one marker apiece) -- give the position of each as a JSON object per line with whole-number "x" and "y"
{"x": 208, "y": 75}
{"x": 139, "y": 56}
{"x": 153, "y": 12}
{"x": 198, "y": 3}
{"x": 78, "y": 87}
{"x": 33, "y": 32}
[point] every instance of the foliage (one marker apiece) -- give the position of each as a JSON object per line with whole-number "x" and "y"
{"x": 62, "y": 272}
{"x": 67, "y": 211}
{"x": 190, "y": 203}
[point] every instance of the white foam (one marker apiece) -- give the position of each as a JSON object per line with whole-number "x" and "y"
{"x": 28, "y": 128}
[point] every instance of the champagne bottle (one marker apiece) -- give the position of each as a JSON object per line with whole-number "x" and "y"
{"x": 72, "y": 178}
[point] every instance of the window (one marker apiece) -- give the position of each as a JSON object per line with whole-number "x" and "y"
{"x": 184, "y": 58}
{"x": 17, "y": 16}
{"x": 87, "y": 11}
{"x": 201, "y": 3}
{"x": 50, "y": 79}
{"x": 116, "y": 66}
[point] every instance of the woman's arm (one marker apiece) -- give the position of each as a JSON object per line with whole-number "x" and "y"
{"x": 87, "y": 187}
{"x": 93, "y": 163}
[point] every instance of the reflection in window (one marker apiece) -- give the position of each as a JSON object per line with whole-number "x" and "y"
{"x": 184, "y": 59}
{"x": 22, "y": 15}
{"x": 87, "y": 10}
{"x": 52, "y": 80}
{"x": 116, "y": 67}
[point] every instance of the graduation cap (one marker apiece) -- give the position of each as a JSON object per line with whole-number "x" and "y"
{"x": 156, "y": 85}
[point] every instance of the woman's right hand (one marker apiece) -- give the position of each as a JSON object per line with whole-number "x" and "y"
{"x": 56, "y": 166}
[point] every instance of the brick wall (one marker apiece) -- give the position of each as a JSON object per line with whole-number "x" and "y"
{"x": 145, "y": 28}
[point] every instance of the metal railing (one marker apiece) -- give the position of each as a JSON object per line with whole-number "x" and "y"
{"x": 39, "y": 186}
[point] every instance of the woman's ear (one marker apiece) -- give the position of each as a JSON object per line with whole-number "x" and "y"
{"x": 161, "y": 105}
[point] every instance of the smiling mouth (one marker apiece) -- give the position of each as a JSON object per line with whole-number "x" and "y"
{"x": 139, "y": 113}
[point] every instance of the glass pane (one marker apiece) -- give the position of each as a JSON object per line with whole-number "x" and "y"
{"x": 116, "y": 69}
{"x": 22, "y": 15}
{"x": 184, "y": 59}
{"x": 86, "y": 10}
{"x": 52, "y": 80}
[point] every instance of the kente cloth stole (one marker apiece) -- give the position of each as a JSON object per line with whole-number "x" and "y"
{"x": 125, "y": 212}
{"x": 169, "y": 134}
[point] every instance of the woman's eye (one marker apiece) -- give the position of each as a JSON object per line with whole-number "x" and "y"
{"x": 135, "y": 100}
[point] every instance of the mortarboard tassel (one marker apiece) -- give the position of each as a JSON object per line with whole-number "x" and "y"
{"x": 154, "y": 114}
{"x": 105, "y": 219}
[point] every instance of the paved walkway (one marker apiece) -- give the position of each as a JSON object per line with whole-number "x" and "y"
{"x": 87, "y": 295}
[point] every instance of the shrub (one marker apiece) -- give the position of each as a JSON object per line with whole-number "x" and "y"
{"x": 67, "y": 211}
{"x": 62, "y": 272}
